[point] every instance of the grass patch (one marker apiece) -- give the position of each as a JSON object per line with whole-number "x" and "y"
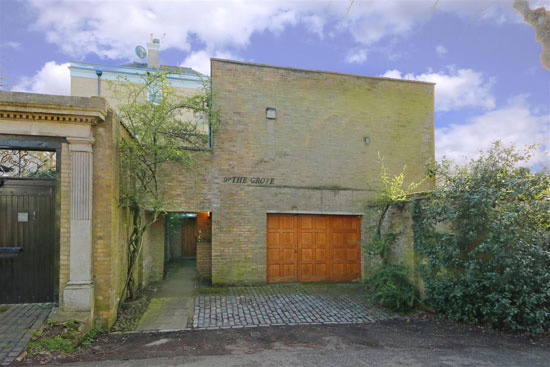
{"x": 66, "y": 337}
{"x": 4, "y": 308}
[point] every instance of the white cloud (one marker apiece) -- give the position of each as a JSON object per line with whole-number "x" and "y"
{"x": 455, "y": 88}
{"x": 200, "y": 60}
{"x": 515, "y": 123}
{"x": 53, "y": 78}
{"x": 357, "y": 56}
{"x": 441, "y": 51}
{"x": 10, "y": 44}
{"x": 79, "y": 28}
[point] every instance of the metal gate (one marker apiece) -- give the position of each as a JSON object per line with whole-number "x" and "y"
{"x": 28, "y": 266}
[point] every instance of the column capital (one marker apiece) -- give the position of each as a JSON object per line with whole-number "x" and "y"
{"x": 80, "y": 144}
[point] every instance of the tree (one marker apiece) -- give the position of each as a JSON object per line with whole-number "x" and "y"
{"x": 484, "y": 236}
{"x": 165, "y": 127}
{"x": 27, "y": 163}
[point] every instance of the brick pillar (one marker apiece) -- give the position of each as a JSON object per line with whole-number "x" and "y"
{"x": 78, "y": 294}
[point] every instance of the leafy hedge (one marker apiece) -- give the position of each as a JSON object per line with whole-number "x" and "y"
{"x": 484, "y": 237}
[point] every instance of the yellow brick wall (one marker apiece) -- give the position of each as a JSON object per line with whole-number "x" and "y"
{"x": 110, "y": 223}
{"x": 152, "y": 267}
{"x": 204, "y": 245}
{"x": 314, "y": 151}
{"x": 112, "y": 226}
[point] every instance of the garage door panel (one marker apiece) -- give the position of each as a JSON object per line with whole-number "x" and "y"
{"x": 287, "y": 255}
{"x": 321, "y": 269}
{"x": 313, "y": 248}
{"x": 305, "y": 222}
{"x": 320, "y": 222}
{"x": 320, "y": 239}
{"x": 306, "y": 238}
{"x": 272, "y": 222}
{"x": 337, "y": 269}
{"x": 273, "y": 254}
{"x": 287, "y": 222}
{"x": 287, "y": 238}
{"x": 306, "y": 271}
{"x": 351, "y": 254}
{"x": 307, "y": 254}
{"x": 321, "y": 254}
{"x": 273, "y": 238}
{"x": 338, "y": 254}
{"x": 273, "y": 270}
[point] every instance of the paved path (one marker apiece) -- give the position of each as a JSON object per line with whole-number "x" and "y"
{"x": 177, "y": 306}
{"x": 171, "y": 307}
{"x": 17, "y": 325}
{"x": 284, "y": 305}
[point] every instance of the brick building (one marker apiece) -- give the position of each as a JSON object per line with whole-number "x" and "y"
{"x": 292, "y": 165}
{"x": 278, "y": 197}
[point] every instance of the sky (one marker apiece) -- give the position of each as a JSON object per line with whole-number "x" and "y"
{"x": 482, "y": 55}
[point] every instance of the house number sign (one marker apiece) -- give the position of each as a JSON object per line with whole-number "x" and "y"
{"x": 250, "y": 180}
{"x": 22, "y": 217}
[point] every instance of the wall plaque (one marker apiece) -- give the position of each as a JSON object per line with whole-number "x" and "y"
{"x": 250, "y": 180}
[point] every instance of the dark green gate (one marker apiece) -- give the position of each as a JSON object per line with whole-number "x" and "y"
{"x": 28, "y": 266}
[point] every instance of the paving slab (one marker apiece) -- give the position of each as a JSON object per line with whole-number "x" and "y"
{"x": 171, "y": 307}
{"x": 18, "y": 322}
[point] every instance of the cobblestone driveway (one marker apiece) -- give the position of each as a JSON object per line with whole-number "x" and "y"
{"x": 284, "y": 305}
{"x": 17, "y": 324}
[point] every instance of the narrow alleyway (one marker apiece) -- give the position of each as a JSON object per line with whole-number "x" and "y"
{"x": 172, "y": 305}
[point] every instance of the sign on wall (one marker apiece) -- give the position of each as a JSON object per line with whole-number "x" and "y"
{"x": 250, "y": 180}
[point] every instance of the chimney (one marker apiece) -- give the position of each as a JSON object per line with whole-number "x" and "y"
{"x": 153, "y": 53}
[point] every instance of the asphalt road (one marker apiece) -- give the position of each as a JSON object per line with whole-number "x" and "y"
{"x": 353, "y": 357}
{"x": 415, "y": 342}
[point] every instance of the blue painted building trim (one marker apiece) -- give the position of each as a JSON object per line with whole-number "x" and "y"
{"x": 133, "y": 74}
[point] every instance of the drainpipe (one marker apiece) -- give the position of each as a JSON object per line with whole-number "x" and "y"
{"x": 99, "y": 73}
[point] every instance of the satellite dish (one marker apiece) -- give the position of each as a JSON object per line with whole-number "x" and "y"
{"x": 140, "y": 51}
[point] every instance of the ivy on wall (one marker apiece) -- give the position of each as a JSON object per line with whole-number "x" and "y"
{"x": 389, "y": 280}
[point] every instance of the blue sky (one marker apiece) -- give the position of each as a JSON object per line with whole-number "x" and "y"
{"x": 483, "y": 57}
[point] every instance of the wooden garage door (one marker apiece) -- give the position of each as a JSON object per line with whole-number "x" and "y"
{"x": 313, "y": 248}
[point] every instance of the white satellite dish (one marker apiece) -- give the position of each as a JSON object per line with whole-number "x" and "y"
{"x": 140, "y": 52}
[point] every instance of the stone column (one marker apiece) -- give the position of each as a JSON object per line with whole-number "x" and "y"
{"x": 78, "y": 294}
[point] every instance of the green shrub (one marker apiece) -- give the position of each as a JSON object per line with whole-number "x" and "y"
{"x": 392, "y": 289}
{"x": 484, "y": 237}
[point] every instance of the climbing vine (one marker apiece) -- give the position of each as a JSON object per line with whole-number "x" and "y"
{"x": 389, "y": 280}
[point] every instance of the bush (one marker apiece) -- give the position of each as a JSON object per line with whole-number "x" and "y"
{"x": 485, "y": 239}
{"x": 392, "y": 289}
